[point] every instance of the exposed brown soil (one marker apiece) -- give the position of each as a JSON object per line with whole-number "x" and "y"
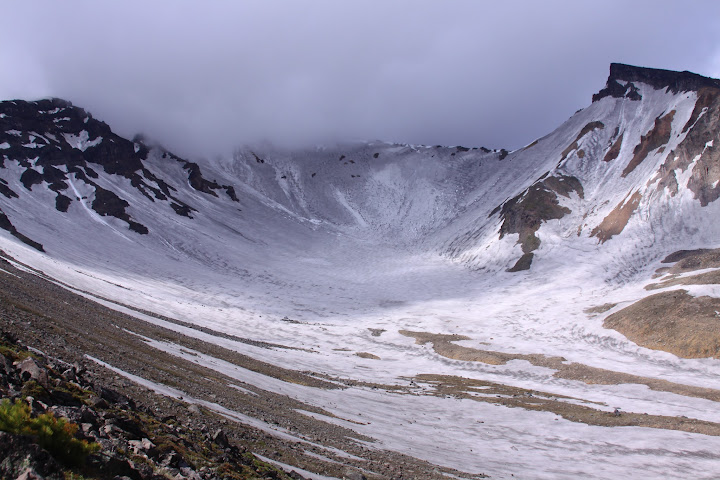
{"x": 588, "y": 413}
{"x": 708, "y": 278}
{"x": 614, "y": 151}
{"x": 531, "y": 145}
{"x": 600, "y": 308}
{"x": 688, "y": 261}
{"x": 617, "y": 220}
{"x": 674, "y": 322}
{"x": 442, "y": 345}
{"x": 367, "y": 355}
{"x": 658, "y": 136}
{"x": 488, "y": 392}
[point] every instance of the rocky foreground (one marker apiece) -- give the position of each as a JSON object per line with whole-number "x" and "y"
{"x": 132, "y": 440}
{"x": 155, "y": 415}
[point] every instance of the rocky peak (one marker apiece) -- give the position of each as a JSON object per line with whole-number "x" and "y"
{"x": 622, "y": 79}
{"x": 56, "y": 144}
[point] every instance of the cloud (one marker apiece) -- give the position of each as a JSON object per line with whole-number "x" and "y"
{"x": 206, "y": 77}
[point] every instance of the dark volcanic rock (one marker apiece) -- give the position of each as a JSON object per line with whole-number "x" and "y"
{"x": 231, "y": 193}
{"x": 62, "y": 203}
{"x": 108, "y": 203}
{"x": 657, "y": 78}
{"x": 7, "y": 191}
{"x": 30, "y": 177}
{"x": 198, "y": 182}
{"x": 22, "y": 457}
{"x": 54, "y": 141}
{"x": 5, "y": 224}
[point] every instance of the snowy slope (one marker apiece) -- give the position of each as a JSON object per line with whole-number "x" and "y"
{"x": 344, "y": 249}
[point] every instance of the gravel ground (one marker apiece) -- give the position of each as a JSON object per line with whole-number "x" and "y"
{"x": 67, "y": 326}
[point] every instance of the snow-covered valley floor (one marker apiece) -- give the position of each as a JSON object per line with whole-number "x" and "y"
{"x": 351, "y": 310}
{"x": 384, "y": 269}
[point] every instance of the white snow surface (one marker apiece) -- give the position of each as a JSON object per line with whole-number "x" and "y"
{"x": 405, "y": 240}
{"x": 81, "y": 141}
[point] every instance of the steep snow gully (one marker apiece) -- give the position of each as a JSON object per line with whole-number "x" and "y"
{"x": 446, "y": 271}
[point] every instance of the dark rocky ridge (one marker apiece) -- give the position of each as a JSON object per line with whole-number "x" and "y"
{"x": 51, "y": 139}
{"x": 657, "y": 78}
{"x": 6, "y": 224}
{"x": 135, "y": 441}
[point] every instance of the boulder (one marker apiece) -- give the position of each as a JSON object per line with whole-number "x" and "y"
{"x": 22, "y": 458}
{"x": 32, "y": 370}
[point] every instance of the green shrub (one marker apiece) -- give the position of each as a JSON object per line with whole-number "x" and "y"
{"x": 56, "y": 435}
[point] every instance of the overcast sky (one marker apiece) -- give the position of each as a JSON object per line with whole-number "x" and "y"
{"x": 204, "y": 77}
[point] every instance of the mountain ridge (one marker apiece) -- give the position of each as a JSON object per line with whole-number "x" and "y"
{"x": 366, "y": 264}
{"x": 658, "y": 78}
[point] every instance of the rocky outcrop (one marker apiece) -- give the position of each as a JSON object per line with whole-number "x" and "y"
{"x": 5, "y": 224}
{"x": 132, "y": 441}
{"x": 622, "y": 79}
{"x": 56, "y": 143}
{"x": 654, "y": 139}
{"x": 699, "y": 150}
{"x": 23, "y": 458}
{"x": 525, "y": 213}
{"x": 616, "y": 221}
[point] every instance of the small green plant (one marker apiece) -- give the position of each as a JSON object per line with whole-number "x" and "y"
{"x": 56, "y": 435}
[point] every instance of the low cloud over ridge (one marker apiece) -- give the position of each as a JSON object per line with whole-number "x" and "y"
{"x": 203, "y": 78}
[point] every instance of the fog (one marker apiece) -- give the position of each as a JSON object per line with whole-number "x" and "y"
{"x": 204, "y": 77}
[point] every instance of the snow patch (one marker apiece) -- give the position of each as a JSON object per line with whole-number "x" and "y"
{"x": 81, "y": 142}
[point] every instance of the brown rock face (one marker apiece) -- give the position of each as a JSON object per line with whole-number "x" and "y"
{"x": 525, "y": 213}
{"x": 658, "y": 136}
{"x": 700, "y": 145}
{"x": 618, "y": 219}
{"x": 614, "y": 151}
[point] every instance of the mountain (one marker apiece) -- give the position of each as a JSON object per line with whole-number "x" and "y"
{"x": 578, "y": 273}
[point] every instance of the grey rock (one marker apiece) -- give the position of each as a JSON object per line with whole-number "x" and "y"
{"x": 88, "y": 416}
{"x": 30, "y": 369}
{"x": 141, "y": 446}
{"x": 221, "y": 438}
{"x": 353, "y": 474}
{"x": 23, "y": 458}
{"x": 97, "y": 402}
{"x": 5, "y": 364}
